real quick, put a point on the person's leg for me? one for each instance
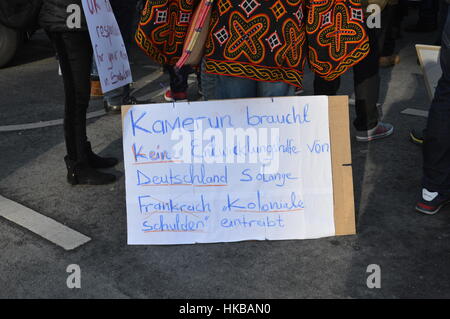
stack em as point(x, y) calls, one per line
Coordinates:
point(69, 92)
point(124, 12)
point(217, 87)
point(198, 74)
point(428, 12)
point(324, 87)
point(75, 54)
point(178, 83)
point(179, 79)
point(232, 87)
point(367, 86)
point(401, 12)
point(436, 147)
point(388, 39)
point(366, 96)
point(442, 19)
point(209, 84)
point(272, 89)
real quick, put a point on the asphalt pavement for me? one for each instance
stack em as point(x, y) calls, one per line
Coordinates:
point(412, 250)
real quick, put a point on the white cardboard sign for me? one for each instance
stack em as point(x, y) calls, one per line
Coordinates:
point(431, 67)
point(109, 49)
point(229, 170)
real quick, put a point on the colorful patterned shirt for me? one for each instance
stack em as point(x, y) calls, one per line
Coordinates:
point(264, 40)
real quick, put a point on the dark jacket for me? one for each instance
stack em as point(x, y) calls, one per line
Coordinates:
point(20, 14)
point(53, 16)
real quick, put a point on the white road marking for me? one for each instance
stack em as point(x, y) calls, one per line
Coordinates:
point(30, 126)
point(41, 225)
point(415, 112)
point(137, 87)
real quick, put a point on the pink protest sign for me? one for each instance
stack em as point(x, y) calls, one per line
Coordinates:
point(109, 49)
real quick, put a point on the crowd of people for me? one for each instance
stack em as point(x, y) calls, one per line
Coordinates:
point(258, 48)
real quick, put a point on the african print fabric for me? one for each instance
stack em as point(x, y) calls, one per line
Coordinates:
point(265, 40)
point(162, 29)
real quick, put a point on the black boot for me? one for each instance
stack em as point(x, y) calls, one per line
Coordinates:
point(96, 161)
point(82, 173)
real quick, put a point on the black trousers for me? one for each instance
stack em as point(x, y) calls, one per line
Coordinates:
point(428, 12)
point(366, 79)
point(126, 15)
point(436, 148)
point(391, 14)
point(75, 57)
point(179, 78)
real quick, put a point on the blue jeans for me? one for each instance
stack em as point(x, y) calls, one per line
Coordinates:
point(436, 150)
point(218, 87)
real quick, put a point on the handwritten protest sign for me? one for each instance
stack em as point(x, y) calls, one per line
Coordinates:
point(109, 49)
point(230, 170)
point(429, 62)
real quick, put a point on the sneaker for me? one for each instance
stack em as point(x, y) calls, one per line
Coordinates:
point(172, 97)
point(417, 136)
point(382, 130)
point(431, 202)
